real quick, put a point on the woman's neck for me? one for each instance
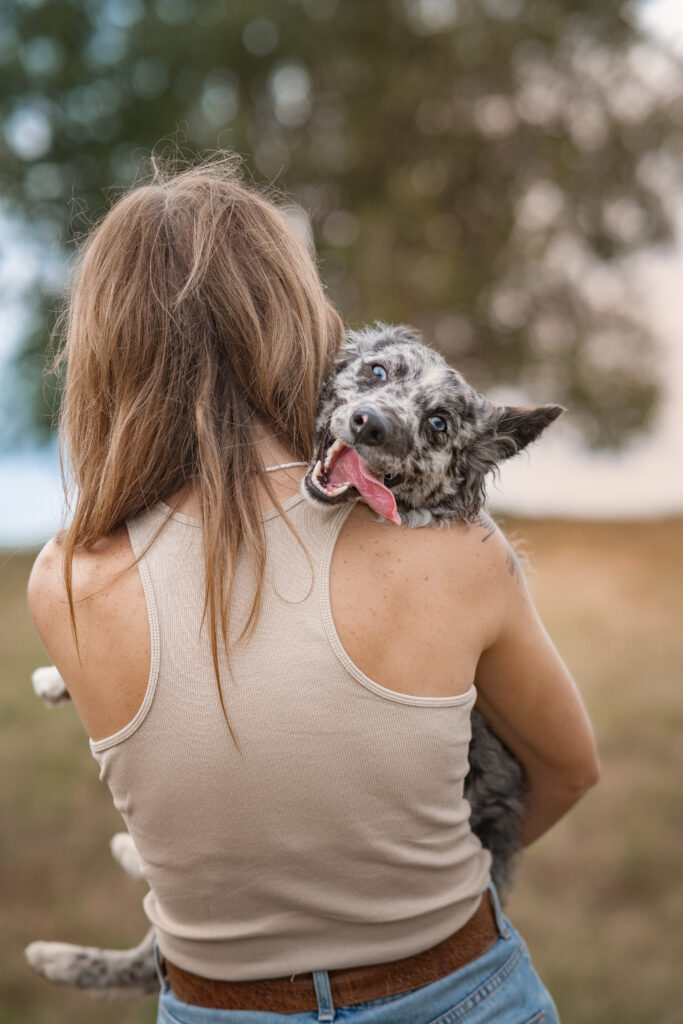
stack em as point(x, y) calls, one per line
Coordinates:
point(285, 482)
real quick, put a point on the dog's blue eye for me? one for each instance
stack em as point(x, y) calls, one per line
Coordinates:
point(379, 371)
point(438, 422)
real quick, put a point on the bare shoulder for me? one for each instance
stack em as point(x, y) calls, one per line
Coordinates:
point(415, 608)
point(105, 676)
point(484, 542)
point(475, 554)
point(96, 572)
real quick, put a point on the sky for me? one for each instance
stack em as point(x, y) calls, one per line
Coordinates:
point(555, 477)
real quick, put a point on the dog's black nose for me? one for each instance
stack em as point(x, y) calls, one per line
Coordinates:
point(368, 426)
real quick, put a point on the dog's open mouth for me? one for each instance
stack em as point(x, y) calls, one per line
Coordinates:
point(338, 469)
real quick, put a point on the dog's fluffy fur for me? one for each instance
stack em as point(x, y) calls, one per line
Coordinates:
point(440, 441)
point(436, 476)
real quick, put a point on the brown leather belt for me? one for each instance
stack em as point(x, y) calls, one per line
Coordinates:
point(348, 985)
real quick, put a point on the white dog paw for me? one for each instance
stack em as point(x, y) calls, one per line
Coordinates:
point(124, 851)
point(49, 685)
point(53, 960)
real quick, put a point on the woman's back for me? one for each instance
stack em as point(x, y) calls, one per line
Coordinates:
point(345, 804)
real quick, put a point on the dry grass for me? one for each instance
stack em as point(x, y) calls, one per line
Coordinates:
point(599, 899)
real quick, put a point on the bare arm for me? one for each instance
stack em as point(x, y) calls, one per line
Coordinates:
point(108, 680)
point(528, 696)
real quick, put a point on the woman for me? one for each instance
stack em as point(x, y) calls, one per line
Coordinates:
point(279, 696)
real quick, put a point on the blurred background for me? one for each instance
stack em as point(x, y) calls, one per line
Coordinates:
point(508, 176)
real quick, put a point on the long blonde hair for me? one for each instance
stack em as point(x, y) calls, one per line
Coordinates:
point(195, 311)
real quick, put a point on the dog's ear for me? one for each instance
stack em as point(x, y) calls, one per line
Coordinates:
point(355, 344)
point(358, 342)
point(516, 426)
point(500, 432)
point(403, 332)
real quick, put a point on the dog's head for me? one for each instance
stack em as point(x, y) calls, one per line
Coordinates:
point(400, 427)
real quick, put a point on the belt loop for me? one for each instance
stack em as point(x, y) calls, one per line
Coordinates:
point(498, 913)
point(323, 994)
point(161, 973)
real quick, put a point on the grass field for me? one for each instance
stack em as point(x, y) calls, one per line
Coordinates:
point(599, 899)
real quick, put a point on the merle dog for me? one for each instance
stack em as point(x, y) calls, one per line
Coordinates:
point(404, 431)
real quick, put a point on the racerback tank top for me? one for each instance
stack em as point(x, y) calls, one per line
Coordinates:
point(340, 836)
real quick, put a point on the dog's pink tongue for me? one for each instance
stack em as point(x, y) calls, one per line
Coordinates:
point(350, 468)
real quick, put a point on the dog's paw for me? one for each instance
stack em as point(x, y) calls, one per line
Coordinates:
point(49, 685)
point(55, 961)
point(123, 850)
point(102, 972)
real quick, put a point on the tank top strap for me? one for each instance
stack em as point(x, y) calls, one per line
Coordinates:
point(145, 527)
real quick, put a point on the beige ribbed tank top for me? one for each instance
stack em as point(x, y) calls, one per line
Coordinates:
point(341, 836)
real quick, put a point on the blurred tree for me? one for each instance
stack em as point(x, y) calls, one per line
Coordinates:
point(474, 167)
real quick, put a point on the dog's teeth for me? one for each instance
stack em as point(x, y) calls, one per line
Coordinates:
point(332, 450)
point(331, 492)
point(316, 475)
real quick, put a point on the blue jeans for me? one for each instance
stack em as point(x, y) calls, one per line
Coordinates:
point(499, 987)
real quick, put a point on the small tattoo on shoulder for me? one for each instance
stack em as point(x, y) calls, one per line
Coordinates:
point(511, 562)
point(486, 523)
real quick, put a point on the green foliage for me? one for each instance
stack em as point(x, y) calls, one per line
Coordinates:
point(467, 166)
